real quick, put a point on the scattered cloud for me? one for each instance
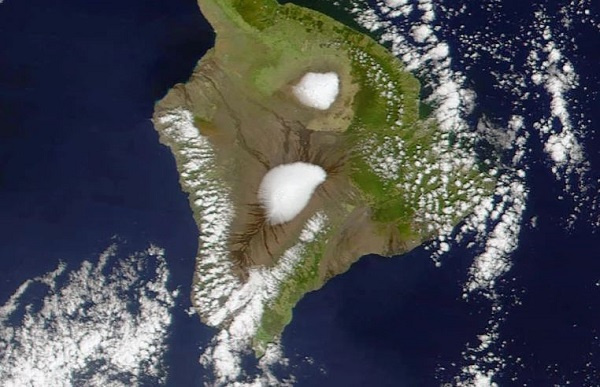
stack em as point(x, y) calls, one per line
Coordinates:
point(104, 323)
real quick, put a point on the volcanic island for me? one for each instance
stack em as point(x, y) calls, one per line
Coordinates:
point(303, 145)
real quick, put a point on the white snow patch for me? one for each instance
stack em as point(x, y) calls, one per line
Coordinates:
point(286, 189)
point(234, 307)
point(318, 90)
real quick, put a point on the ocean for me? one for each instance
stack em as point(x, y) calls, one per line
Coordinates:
point(404, 321)
point(81, 168)
point(80, 162)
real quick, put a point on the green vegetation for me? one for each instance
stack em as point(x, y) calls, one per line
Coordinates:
point(384, 90)
point(297, 37)
point(304, 279)
point(262, 48)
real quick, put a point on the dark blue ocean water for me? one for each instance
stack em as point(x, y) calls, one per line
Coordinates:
point(397, 322)
point(79, 159)
point(387, 322)
point(80, 162)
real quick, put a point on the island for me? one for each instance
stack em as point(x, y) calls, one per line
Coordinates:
point(303, 145)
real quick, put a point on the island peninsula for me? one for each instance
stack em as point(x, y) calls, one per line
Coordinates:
point(303, 145)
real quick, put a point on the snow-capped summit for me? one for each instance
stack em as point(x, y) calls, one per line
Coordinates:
point(318, 90)
point(286, 189)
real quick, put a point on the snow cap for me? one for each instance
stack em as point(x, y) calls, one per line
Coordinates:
point(318, 90)
point(286, 189)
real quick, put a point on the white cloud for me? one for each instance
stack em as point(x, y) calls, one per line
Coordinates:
point(430, 58)
point(421, 33)
point(552, 70)
point(102, 324)
point(234, 307)
point(496, 222)
point(244, 310)
point(395, 3)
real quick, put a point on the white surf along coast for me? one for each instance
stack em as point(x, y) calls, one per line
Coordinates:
point(286, 190)
point(318, 90)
